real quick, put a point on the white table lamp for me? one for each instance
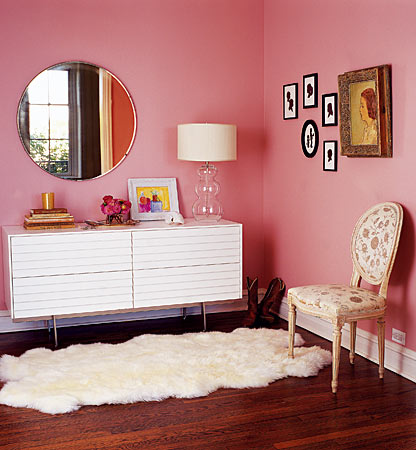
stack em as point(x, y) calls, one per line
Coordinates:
point(207, 142)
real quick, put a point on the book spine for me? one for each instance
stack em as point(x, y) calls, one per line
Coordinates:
point(48, 211)
point(41, 221)
point(48, 216)
point(47, 227)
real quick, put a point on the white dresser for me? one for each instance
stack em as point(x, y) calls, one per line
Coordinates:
point(63, 273)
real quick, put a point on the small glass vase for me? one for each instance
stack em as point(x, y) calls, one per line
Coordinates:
point(114, 219)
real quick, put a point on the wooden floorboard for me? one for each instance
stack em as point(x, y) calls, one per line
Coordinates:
point(293, 413)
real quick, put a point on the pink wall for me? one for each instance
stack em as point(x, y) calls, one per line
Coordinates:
point(309, 214)
point(182, 61)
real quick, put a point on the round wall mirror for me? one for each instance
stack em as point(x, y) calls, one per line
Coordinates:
point(76, 121)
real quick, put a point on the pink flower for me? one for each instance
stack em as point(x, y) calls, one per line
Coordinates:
point(116, 206)
point(106, 200)
point(125, 207)
point(111, 206)
point(107, 209)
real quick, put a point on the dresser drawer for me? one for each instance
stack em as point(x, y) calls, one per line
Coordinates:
point(186, 247)
point(70, 254)
point(43, 296)
point(177, 285)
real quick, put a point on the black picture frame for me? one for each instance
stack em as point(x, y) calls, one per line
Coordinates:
point(290, 101)
point(330, 110)
point(330, 160)
point(310, 91)
point(310, 138)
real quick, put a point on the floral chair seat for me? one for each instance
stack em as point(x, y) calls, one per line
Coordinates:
point(337, 299)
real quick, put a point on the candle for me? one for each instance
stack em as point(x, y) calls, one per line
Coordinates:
point(48, 200)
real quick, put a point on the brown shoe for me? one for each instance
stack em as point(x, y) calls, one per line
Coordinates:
point(275, 306)
point(252, 306)
point(273, 294)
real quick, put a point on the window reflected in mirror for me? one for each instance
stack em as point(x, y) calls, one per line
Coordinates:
point(76, 121)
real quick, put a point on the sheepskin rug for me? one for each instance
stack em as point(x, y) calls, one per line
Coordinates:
point(153, 367)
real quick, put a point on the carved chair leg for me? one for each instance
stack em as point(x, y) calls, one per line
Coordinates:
point(292, 326)
point(381, 337)
point(336, 352)
point(353, 334)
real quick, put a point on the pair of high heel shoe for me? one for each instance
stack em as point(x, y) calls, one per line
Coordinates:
point(268, 309)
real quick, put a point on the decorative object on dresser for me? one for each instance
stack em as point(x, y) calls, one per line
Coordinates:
point(374, 245)
point(115, 209)
point(66, 117)
point(290, 101)
point(309, 138)
point(207, 142)
point(310, 90)
point(48, 217)
point(330, 158)
point(330, 110)
point(61, 273)
point(152, 198)
point(153, 368)
point(174, 218)
point(48, 200)
point(365, 112)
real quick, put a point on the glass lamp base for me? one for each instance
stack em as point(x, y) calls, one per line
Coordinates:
point(207, 208)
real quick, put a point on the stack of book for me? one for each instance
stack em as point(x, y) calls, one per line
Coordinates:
point(43, 219)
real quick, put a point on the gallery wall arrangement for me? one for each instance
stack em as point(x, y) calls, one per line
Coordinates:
point(364, 109)
point(310, 132)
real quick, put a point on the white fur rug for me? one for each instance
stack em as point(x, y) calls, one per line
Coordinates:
point(153, 367)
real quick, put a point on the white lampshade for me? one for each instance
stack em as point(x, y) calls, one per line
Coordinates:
point(207, 142)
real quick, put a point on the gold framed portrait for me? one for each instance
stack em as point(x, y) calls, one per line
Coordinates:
point(365, 112)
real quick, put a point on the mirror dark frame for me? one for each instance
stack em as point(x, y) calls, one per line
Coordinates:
point(81, 131)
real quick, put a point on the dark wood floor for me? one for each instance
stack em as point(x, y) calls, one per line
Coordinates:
point(293, 413)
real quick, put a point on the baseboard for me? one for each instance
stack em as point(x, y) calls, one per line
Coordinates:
point(8, 326)
point(398, 359)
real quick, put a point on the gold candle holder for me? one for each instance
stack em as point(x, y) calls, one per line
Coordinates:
point(48, 199)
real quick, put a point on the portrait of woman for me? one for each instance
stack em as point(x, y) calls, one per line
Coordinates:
point(364, 126)
point(365, 112)
point(368, 113)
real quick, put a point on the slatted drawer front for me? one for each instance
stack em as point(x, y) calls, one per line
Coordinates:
point(70, 253)
point(171, 286)
point(43, 296)
point(186, 247)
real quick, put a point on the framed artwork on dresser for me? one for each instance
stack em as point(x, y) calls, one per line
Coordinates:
point(152, 198)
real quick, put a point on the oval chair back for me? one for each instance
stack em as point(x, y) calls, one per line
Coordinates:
point(374, 244)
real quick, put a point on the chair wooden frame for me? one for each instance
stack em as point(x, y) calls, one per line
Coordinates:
point(339, 319)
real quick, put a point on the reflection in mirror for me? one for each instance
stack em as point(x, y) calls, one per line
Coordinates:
point(76, 120)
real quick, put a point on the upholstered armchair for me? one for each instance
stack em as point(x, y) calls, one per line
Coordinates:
point(373, 249)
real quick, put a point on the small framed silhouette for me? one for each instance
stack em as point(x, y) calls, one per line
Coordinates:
point(310, 90)
point(331, 156)
point(330, 110)
point(310, 138)
point(290, 101)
